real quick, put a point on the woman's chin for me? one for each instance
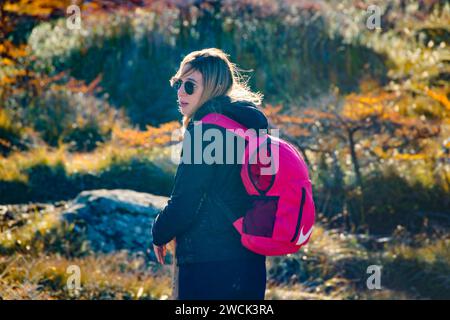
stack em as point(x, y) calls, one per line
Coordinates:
point(185, 111)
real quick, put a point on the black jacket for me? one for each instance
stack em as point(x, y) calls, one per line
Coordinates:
point(202, 230)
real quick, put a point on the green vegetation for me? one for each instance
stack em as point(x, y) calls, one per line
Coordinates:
point(368, 109)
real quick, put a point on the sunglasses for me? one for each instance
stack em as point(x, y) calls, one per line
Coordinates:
point(189, 86)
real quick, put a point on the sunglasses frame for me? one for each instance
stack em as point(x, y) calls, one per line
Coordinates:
point(177, 85)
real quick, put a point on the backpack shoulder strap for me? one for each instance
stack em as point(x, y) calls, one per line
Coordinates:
point(227, 123)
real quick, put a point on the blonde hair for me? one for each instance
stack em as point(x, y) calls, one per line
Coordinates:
point(220, 77)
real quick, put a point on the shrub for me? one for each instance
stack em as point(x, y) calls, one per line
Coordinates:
point(80, 120)
point(289, 47)
point(43, 175)
point(10, 133)
point(389, 200)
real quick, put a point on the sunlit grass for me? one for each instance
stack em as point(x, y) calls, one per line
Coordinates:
point(34, 258)
point(332, 266)
point(46, 174)
point(24, 236)
point(439, 250)
point(113, 276)
point(13, 168)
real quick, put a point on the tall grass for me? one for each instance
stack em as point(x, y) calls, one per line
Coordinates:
point(114, 276)
point(44, 174)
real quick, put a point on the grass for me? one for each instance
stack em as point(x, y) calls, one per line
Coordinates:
point(36, 251)
point(422, 270)
point(334, 266)
point(35, 255)
point(15, 166)
point(44, 174)
point(113, 276)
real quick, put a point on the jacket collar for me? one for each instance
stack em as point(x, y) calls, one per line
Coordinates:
point(216, 104)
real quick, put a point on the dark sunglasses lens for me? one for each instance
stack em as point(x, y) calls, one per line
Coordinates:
point(189, 87)
point(177, 84)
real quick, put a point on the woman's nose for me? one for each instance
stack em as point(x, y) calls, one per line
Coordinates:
point(181, 90)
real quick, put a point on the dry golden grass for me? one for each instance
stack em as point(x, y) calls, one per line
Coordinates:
point(30, 268)
point(35, 255)
point(112, 276)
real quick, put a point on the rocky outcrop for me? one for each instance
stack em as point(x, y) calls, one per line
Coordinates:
point(115, 219)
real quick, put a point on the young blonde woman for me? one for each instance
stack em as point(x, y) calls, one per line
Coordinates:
point(210, 259)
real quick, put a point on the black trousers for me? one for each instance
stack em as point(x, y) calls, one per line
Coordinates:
point(223, 280)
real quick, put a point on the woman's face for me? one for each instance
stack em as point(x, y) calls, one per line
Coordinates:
point(188, 102)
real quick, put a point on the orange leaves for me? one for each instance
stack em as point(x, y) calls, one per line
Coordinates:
point(294, 126)
point(79, 86)
point(379, 152)
point(12, 77)
point(316, 113)
point(368, 125)
point(360, 107)
point(6, 62)
point(273, 113)
point(150, 138)
point(5, 143)
point(270, 110)
point(294, 119)
point(35, 8)
point(438, 96)
point(297, 132)
point(409, 157)
point(7, 48)
point(11, 69)
point(61, 81)
point(9, 57)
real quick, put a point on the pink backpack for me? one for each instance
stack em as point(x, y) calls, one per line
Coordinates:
point(282, 214)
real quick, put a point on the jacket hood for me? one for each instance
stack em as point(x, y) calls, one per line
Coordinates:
point(244, 112)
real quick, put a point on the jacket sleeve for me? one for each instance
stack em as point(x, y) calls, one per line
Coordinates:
point(191, 180)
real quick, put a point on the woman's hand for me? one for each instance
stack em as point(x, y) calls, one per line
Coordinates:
point(160, 252)
point(171, 246)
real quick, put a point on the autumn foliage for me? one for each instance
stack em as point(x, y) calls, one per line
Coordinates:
point(355, 105)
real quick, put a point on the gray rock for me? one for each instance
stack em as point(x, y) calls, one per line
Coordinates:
point(115, 219)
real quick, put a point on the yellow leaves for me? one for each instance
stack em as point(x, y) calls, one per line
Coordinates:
point(438, 96)
point(5, 80)
point(358, 111)
point(12, 76)
point(9, 55)
point(359, 107)
point(19, 73)
point(12, 51)
point(364, 99)
point(380, 152)
point(5, 120)
point(35, 8)
point(151, 137)
point(409, 157)
point(6, 62)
